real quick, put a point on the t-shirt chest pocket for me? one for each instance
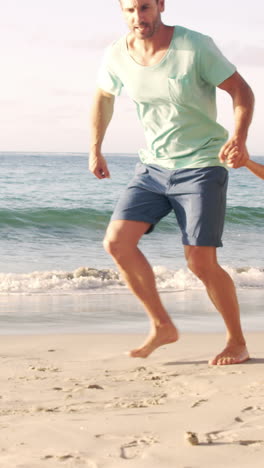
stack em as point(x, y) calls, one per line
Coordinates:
point(180, 89)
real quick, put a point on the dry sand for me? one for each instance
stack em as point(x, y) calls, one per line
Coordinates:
point(79, 401)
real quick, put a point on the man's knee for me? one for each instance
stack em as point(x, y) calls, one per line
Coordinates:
point(122, 237)
point(197, 267)
point(201, 265)
point(116, 246)
point(111, 245)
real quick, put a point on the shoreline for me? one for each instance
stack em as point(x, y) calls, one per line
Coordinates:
point(191, 311)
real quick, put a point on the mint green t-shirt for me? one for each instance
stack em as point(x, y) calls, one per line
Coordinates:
point(175, 98)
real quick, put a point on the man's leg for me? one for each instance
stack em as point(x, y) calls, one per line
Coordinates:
point(202, 261)
point(121, 242)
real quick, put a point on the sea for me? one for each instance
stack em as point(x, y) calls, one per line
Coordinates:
point(53, 216)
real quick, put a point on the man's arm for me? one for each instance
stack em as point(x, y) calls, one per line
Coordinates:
point(102, 111)
point(234, 152)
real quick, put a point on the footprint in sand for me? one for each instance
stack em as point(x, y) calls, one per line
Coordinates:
point(44, 369)
point(95, 386)
point(133, 446)
point(43, 409)
point(77, 460)
point(252, 408)
point(251, 414)
point(136, 447)
point(238, 419)
point(154, 401)
point(198, 403)
point(238, 431)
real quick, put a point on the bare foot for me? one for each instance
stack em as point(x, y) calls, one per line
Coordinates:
point(232, 354)
point(161, 335)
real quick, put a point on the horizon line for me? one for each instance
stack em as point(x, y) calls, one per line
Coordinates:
point(87, 153)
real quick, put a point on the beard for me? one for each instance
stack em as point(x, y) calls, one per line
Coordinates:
point(146, 30)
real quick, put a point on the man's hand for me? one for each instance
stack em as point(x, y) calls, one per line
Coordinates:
point(234, 153)
point(102, 111)
point(98, 166)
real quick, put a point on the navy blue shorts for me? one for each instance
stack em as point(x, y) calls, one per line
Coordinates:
point(197, 197)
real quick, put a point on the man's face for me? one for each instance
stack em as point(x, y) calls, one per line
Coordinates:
point(143, 17)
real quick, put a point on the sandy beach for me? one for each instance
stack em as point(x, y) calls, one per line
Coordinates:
point(79, 400)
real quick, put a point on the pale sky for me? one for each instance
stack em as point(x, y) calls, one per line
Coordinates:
point(50, 52)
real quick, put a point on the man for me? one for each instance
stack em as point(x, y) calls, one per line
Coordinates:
point(171, 73)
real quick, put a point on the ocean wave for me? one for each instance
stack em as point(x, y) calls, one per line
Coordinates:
point(49, 218)
point(245, 215)
point(92, 280)
point(54, 217)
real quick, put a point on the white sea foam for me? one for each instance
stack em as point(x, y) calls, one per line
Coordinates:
point(91, 280)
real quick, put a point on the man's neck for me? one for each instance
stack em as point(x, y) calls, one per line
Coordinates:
point(153, 43)
point(150, 50)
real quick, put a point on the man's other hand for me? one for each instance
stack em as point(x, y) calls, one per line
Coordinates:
point(98, 166)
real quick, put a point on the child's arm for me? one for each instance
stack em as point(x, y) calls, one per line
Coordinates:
point(253, 166)
point(256, 168)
